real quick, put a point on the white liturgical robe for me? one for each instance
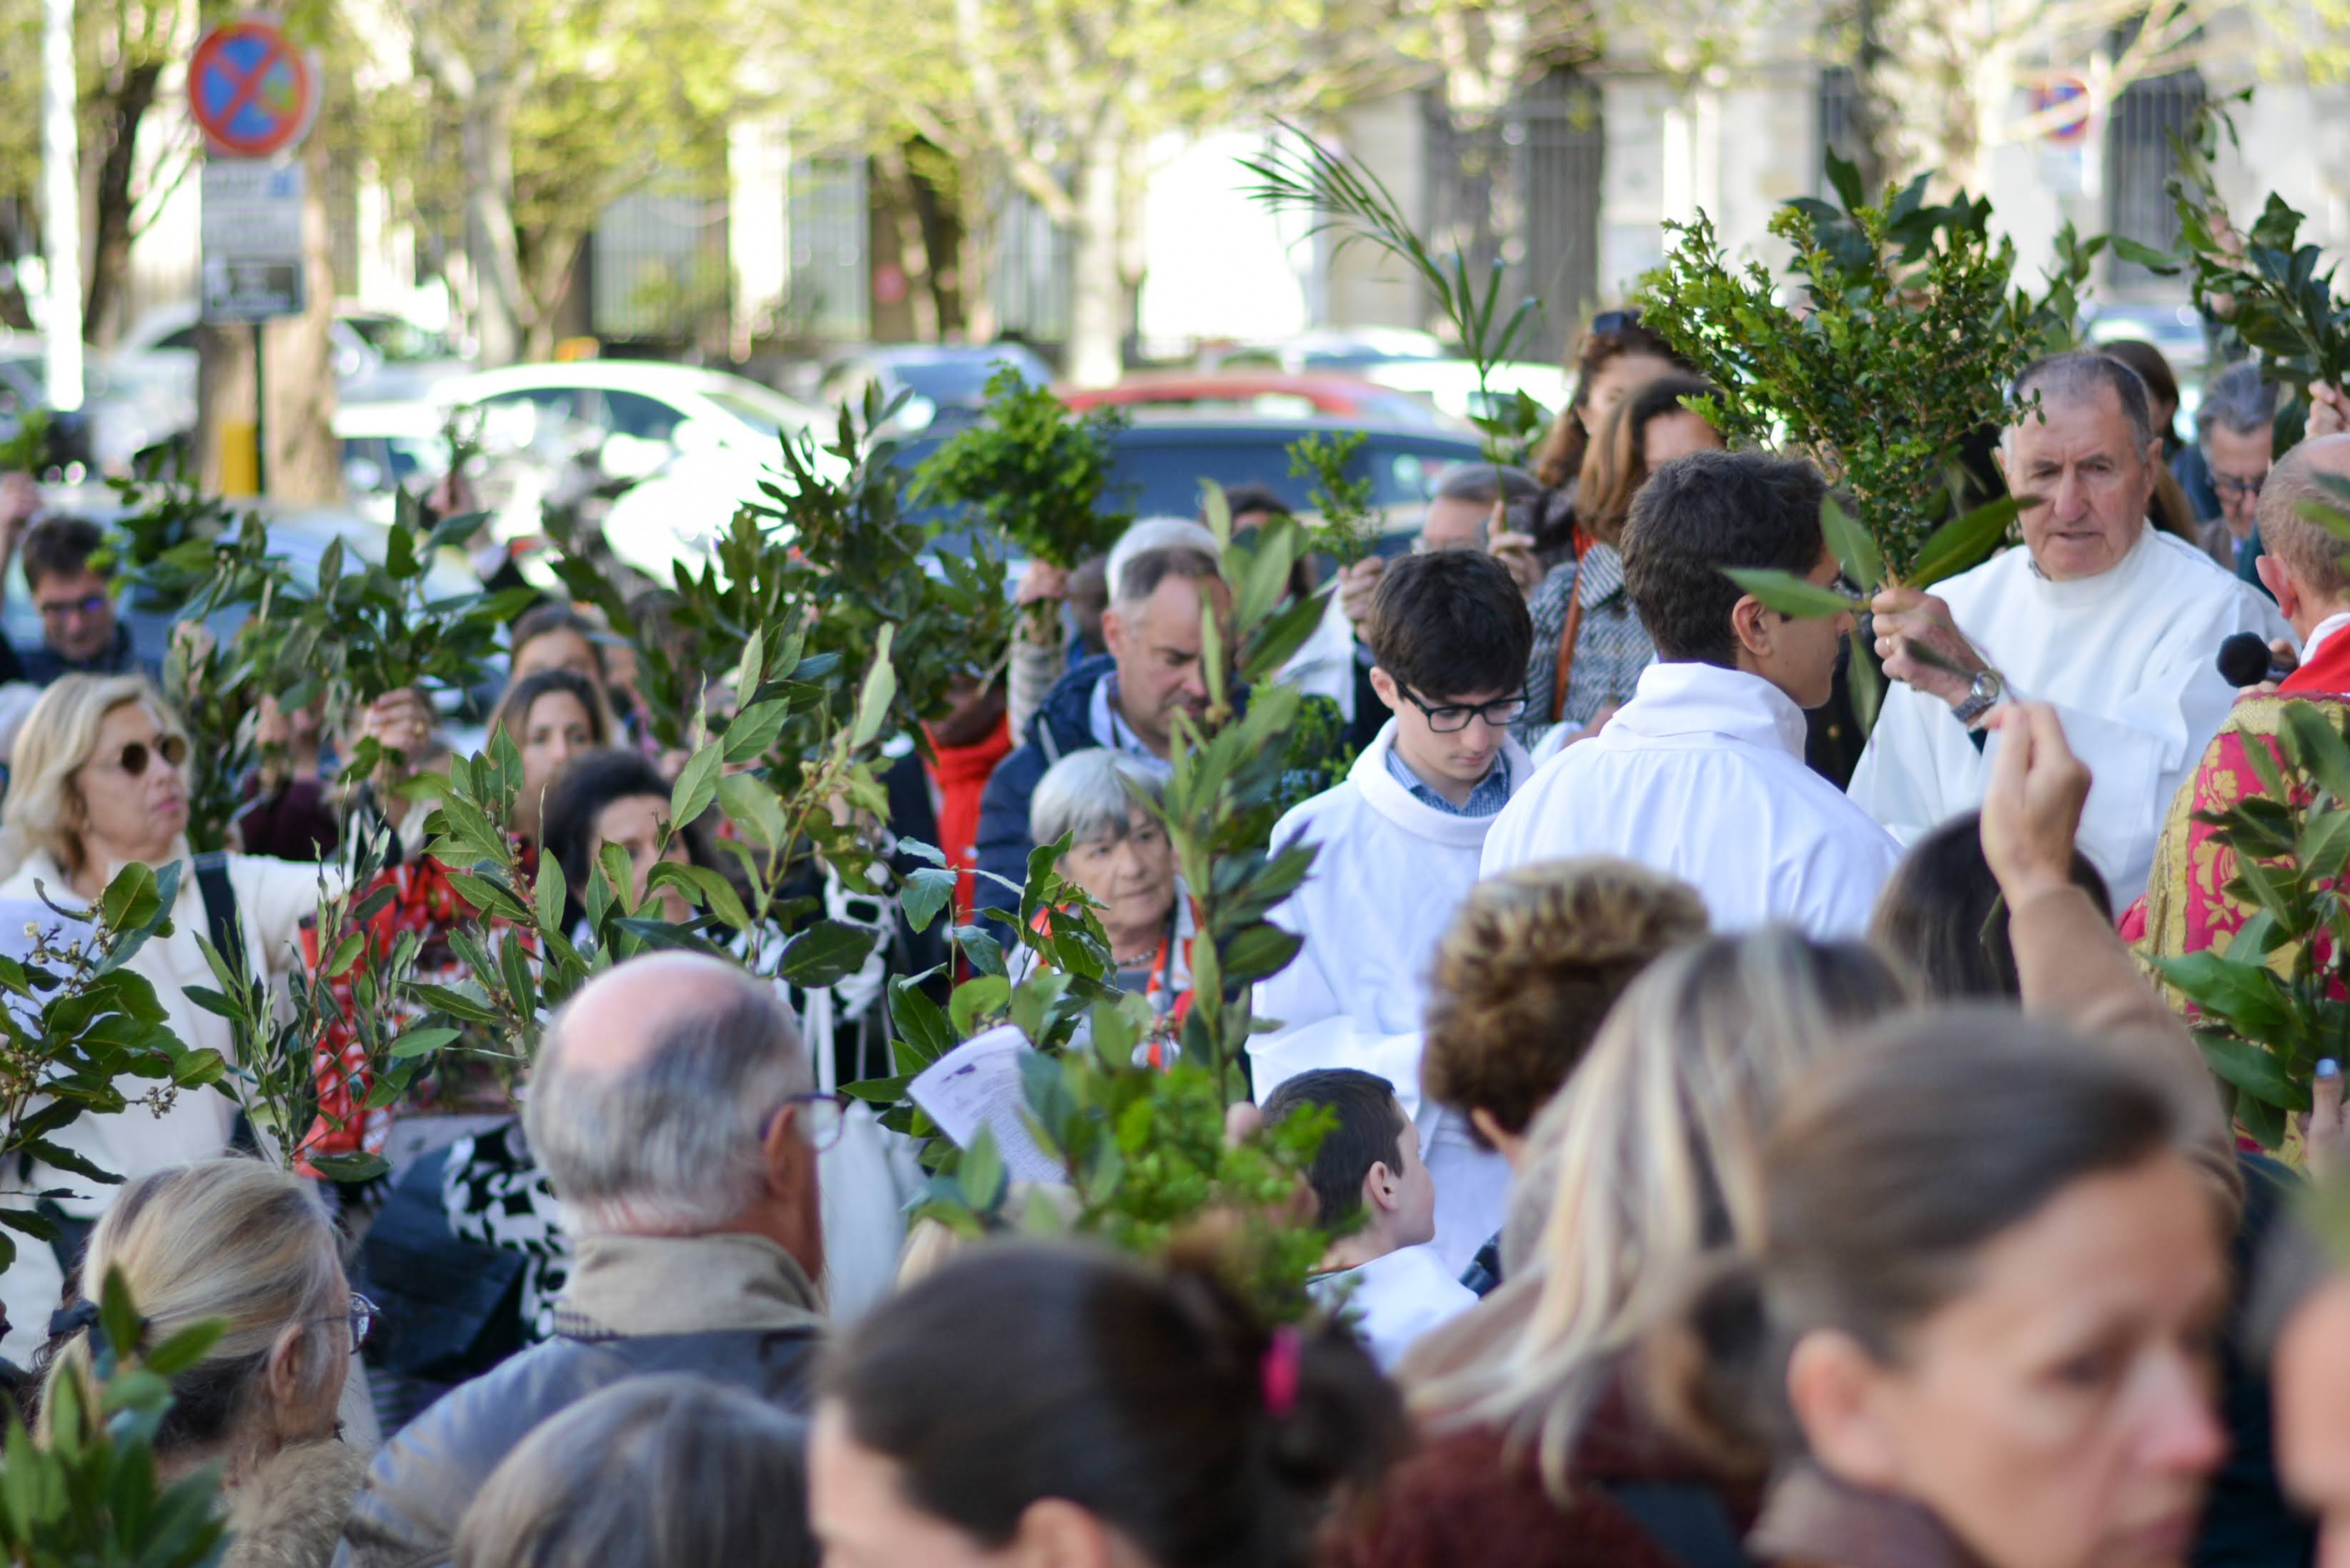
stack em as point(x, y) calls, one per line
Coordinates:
point(2127, 658)
point(1394, 1299)
point(1390, 872)
point(1702, 776)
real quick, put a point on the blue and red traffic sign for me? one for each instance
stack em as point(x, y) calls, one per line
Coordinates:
point(254, 93)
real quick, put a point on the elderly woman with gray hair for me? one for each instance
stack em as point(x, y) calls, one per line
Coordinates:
point(1120, 857)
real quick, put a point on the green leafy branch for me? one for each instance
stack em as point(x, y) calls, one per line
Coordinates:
point(1348, 527)
point(1346, 197)
point(824, 555)
point(88, 1491)
point(2271, 1004)
point(1900, 352)
point(2265, 282)
point(1033, 472)
point(76, 1026)
point(277, 1056)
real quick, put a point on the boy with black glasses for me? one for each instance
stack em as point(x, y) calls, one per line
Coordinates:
point(1397, 845)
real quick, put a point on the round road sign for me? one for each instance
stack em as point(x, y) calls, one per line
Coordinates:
point(254, 93)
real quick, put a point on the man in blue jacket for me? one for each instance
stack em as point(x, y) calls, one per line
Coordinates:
point(1125, 698)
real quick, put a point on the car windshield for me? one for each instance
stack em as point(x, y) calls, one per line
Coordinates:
point(399, 342)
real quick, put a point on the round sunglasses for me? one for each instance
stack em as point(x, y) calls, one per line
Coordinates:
point(135, 756)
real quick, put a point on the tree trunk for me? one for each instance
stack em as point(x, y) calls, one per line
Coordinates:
point(16, 245)
point(975, 257)
point(109, 256)
point(224, 398)
point(1098, 315)
point(554, 263)
point(305, 459)
point(489, 245)
point(942, 234)
point(898, 237)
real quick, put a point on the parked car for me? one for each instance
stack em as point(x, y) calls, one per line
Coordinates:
point(387, 446)
point(695, 444)
point(1158, 468)
point(378, 356)
point(1251, 394)
point(945, 382)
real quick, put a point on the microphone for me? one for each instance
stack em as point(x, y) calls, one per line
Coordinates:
point(2245, 660)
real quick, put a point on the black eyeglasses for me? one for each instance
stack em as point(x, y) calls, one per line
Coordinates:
point(2229, 484)
point(823, 1118)
point(135, 756)
point(1453, 718)
point(1614, 321)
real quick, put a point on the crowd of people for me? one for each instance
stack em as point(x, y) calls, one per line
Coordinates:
point(1753, 1137)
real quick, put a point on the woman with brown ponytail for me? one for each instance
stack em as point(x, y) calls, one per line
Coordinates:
point(1048, 1405)
point(1980, 1329)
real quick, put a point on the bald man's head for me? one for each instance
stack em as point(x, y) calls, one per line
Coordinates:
point(652, 1095)
point(2312, 553)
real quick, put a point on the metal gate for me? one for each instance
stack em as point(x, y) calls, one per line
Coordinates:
point(2139, 164)
point(829, 220)
point(1526, 188)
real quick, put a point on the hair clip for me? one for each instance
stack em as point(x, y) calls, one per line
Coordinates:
point(73, 1319)
point(1277, 1372)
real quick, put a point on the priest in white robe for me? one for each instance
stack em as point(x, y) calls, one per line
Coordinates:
point(1701, 775)
point(1396, 850)
point(2113, 622)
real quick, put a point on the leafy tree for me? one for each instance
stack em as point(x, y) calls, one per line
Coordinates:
point(1942, 87)
point(1061, 101)
point(528, 117)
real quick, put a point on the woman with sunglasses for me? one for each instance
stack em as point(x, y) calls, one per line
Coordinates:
point(248, 1247)
point(100, 782)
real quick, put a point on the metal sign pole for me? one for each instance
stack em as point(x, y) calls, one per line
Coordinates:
point(260, 412)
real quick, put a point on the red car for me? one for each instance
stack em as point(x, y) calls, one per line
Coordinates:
point(1260, 394)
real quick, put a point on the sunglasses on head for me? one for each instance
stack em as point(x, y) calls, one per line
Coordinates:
point(134, 757)
point(1608, 321)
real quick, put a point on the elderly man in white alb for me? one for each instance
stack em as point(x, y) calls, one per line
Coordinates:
point(1701, 775)
point(2114, 622)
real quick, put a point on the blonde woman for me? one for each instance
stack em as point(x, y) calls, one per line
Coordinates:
point(246, 1245)
point(100, 782)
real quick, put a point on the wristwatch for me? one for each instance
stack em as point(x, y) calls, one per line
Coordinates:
point(1986, 691)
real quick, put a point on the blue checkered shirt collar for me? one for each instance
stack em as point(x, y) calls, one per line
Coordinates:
point(1492, 793)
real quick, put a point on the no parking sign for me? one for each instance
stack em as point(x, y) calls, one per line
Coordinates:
point(251, 89)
